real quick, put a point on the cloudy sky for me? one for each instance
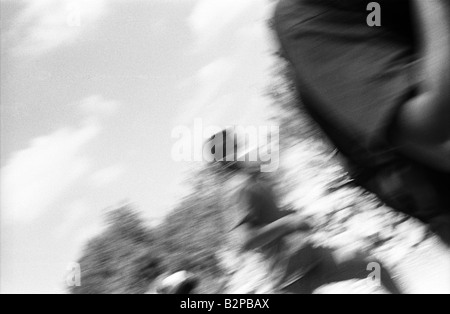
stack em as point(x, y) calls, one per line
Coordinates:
point(90, 93)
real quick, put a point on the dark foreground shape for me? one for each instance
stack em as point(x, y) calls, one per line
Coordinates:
point(354, 80)
point(328, 270)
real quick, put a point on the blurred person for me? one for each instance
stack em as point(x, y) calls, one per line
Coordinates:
point(381, 94)
point(266, 227)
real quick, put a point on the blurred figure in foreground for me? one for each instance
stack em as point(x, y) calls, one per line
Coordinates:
point(266, 227)
point(381, 94)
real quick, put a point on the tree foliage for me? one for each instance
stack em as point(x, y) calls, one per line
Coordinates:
point(123, 259)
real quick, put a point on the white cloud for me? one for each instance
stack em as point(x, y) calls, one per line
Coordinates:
point(212, 77)
point(107, 176)
point(210, 81)
point(97, 106)
point(36, 177)
point(235, 81)
point(210, 17)
point(44, 25)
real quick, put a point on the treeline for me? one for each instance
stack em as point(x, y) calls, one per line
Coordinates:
point(129, 255)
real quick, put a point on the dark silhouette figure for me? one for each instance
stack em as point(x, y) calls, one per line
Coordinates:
point(381, 94)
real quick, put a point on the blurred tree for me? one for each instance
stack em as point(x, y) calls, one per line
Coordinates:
point(123, 259)
point(195, 231)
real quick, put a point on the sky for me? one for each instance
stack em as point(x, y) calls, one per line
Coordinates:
point(90, 93)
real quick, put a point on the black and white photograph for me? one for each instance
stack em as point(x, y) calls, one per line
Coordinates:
point(228, 151)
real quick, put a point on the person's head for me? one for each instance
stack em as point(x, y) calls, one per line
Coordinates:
point(231, 155)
